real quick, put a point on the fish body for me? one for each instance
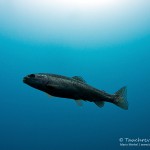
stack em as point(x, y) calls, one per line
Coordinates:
point(74, 88)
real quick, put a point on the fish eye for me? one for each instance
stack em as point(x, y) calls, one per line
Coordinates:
point(32, 75)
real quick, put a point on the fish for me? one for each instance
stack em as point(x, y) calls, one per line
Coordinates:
point(75, 88)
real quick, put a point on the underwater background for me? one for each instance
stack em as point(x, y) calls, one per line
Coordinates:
point(107, 42)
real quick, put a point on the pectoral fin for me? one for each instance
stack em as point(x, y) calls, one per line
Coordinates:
point(51, 87)
point(79, 102)
point(99, 104)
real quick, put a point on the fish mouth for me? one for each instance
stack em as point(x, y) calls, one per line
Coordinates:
point(25, 79)
point(29, 78)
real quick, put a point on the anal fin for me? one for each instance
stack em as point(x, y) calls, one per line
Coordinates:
point(100, 104)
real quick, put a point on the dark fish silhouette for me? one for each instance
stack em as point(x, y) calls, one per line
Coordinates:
point(75, 88)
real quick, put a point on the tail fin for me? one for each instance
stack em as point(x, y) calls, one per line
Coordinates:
point(121, 98)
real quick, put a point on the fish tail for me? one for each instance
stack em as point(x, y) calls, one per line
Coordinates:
point(121, 98)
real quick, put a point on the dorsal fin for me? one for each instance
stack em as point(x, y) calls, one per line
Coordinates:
point(78, 78)
point(99, 104)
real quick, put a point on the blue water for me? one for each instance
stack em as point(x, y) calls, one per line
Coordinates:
point(109, 48)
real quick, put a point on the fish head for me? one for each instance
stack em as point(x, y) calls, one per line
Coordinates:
point(37, 81)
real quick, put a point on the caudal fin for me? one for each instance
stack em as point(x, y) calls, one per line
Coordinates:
point(121, 98)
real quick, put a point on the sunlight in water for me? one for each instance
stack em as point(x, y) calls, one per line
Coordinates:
point(77, 5)
point(74, 21)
